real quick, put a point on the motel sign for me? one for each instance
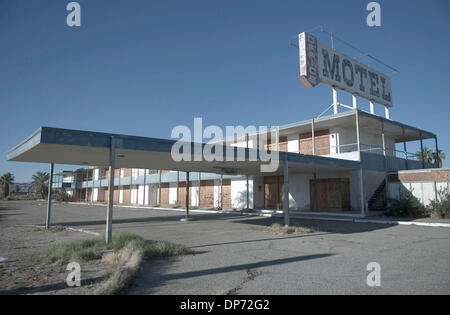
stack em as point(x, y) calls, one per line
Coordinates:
point(319, 63)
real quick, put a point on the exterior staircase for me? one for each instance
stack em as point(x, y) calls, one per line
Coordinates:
point(377, 201)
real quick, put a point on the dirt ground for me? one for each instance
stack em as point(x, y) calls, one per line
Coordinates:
point(24, 272)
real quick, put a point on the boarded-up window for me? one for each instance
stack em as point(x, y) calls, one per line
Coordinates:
point(182, 193)
point(282, 144)
point(126, 194)
point(226, 193)
point(322, 142)
point(164, 194)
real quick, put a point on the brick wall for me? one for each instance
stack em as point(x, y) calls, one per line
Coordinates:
point(207, 193)
point(437, 175)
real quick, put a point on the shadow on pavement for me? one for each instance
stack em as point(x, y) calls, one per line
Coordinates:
point(260, 240)
point(342, 227)
point(198, 218)
point(151, 280)
point(49, 287)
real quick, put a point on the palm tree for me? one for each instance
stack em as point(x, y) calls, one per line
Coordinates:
point(5, 181)
point(40, 183)
point(426, 155)
point(438, 157)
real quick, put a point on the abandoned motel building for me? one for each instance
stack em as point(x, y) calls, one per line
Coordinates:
point(349, 161)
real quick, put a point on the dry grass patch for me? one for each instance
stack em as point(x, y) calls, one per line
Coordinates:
point(124, 255)
point(277, 228)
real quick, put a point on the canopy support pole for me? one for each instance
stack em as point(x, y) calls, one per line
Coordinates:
point(286, 193)
point(421, 150)
point(187, 218)
point(109, 214)
point(49, 198)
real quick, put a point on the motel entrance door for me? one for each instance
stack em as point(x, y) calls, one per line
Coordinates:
point(273, 192)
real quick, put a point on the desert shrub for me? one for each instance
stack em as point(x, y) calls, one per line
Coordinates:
point(90, 249)
point(407, 206)
point(62, 196)
point(441, 207)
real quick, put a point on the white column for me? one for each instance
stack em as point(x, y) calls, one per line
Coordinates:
point(372, 107)
point(335, 101)
point(358, 140)
point(386, 112)
point(361, 182)
point(355, 101)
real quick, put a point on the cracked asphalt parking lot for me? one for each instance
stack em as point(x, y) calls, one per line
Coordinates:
point(234, 257)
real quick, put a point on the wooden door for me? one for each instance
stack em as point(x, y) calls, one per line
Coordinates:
point(273, 192)
point(330, 194)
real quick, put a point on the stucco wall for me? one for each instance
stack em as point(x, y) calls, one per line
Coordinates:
point(239, 193)
point(424, 185)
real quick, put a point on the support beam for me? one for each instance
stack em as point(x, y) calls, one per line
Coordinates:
point(361, 181)
point(355, 101)
point(87, 186)
point(220, 193)
point(145, 188)
point(178, 185)
point(316, 207)
point(437, 148)
point(199, 188)
point(158, 197)
point(286, 193)
point(386, 112)
point(361, 192)
point(404, 148)
point(248, 194)
point(49, 197)
point(372, 108)
point(248, 190)
point(383, 140)
point(109, 214)
point(385, 201)
point(313, 138)
point(335, 101)
point(358, 143)
point(187, 218)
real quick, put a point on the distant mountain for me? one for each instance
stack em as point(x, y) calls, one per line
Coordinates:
point(23, 187)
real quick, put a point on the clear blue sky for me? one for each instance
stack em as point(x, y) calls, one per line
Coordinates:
point(143, 67)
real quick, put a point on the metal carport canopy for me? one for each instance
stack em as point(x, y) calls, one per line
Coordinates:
point(65, 146)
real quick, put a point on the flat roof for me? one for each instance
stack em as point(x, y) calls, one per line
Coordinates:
point(77, 147)
point(367, 121)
